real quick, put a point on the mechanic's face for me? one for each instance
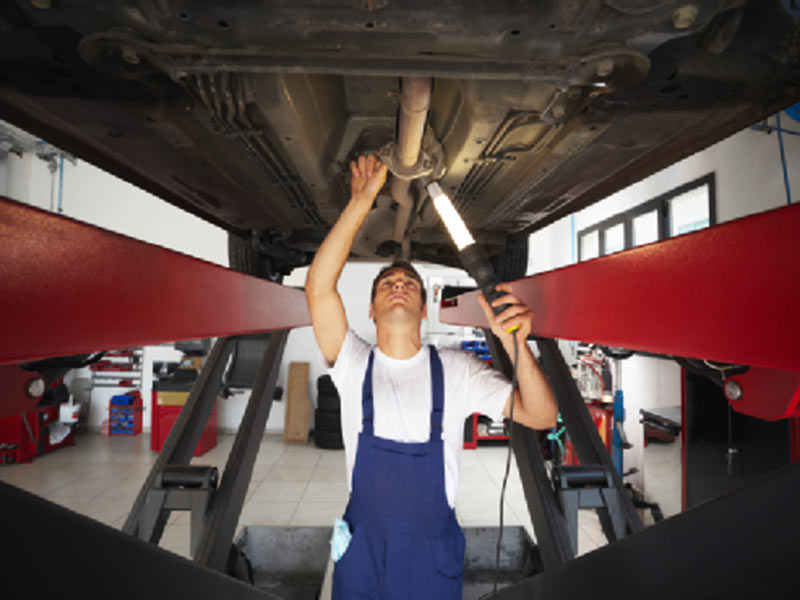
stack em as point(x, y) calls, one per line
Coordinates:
point(398, 296)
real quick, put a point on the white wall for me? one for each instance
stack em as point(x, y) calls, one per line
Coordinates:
point(550, 248)
point(94, 196)
point(749, 179)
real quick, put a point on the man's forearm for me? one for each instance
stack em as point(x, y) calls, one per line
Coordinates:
point(332, 254)
point(328, 316)
point(536, 399)
point(534, 405)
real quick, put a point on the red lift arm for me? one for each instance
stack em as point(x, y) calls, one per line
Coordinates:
point(72, 288)
point(728, 293)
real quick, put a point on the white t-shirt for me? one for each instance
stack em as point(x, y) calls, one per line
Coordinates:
point(402, 398)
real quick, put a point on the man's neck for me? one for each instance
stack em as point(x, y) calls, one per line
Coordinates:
point(399, 342)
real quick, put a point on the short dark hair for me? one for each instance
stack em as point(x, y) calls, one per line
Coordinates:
point(398, 264)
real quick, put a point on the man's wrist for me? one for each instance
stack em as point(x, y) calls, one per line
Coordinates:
point(508, 344)
point(361, 201)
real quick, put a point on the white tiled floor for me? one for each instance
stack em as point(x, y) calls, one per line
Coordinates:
point(662, 476)
point(291, 485)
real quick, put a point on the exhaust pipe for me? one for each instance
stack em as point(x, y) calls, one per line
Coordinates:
point(415, 100)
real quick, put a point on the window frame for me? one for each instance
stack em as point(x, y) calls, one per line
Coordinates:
point(661, 204)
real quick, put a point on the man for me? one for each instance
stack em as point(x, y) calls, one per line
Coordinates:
point(403, 411)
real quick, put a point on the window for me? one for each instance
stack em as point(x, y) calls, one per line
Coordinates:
point(688, 212)
point(682, 210)
point(590, 245)
point(645, 228)
point(614, 238)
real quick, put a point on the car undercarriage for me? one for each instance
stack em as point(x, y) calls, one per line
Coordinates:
point(247, 113)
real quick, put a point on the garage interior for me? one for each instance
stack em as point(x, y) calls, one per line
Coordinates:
point(98, 474)
point(672, 353)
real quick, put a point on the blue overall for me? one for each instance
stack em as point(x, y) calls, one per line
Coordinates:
point(406, 541)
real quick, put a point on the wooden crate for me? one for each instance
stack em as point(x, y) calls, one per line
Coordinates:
point(298, 408)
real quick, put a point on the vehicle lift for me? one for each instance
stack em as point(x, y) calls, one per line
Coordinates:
point(725, 294)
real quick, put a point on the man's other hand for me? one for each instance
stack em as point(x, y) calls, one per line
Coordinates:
point(516, 316)
point(368, 177)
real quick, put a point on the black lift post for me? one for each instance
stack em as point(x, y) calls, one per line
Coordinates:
point(175, 485)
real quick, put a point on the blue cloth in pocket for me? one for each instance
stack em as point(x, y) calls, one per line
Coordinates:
point(340, 539)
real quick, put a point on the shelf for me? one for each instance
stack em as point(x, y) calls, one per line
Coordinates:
point(124, 353)
point(113, 373)
point(116, 385)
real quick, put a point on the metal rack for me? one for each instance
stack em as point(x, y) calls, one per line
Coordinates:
point(105, 376)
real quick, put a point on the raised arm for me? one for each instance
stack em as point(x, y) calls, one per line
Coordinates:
point(328, 316)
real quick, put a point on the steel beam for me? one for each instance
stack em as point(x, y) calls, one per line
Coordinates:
point(122, 566)
point(726, 293)
point(375, 66)
point(181, 60)
point(72, 288)
point(737, 546)
point(226, 504)
point(583, 434)
point(185, 433)
point(547, 515)
point(550, 519)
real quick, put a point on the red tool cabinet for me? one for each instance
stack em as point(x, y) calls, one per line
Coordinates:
point(25, 436)
point(163, 417)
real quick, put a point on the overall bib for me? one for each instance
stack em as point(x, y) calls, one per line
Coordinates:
point(406, 541)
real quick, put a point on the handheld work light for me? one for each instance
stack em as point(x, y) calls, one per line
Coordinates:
point(476, 262)
point(473, 257)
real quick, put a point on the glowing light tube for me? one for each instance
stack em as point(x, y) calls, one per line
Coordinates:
point(452, 220)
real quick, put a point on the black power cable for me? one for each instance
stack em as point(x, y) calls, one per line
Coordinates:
point(508, 465)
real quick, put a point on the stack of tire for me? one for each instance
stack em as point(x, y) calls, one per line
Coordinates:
point(327, 417)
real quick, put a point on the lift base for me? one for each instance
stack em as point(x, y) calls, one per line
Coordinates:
point(50, 549)
point(290, 562)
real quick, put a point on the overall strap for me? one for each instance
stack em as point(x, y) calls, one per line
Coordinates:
point(367, 411)
point(437, 402)
point(437, 388)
